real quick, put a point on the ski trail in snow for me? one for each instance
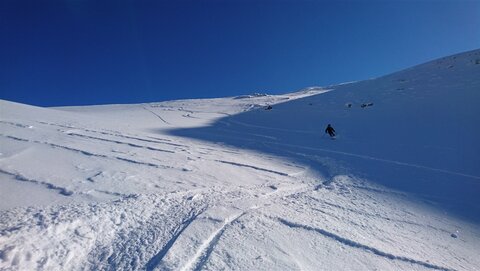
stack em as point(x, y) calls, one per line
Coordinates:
point(120, 142)
point(253, 167)
point(376, 159)
point(373, 215)
point(205, 250)
point(352, 155)
point(116, 134)
point(16, 124)
point(87, 153)
point(244, 133)
point(61, 190)
point(155, 260)
point(191, 252)
point(157, 115)
point(355, 244)
point(272, 128)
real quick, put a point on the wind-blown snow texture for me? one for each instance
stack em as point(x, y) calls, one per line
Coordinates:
point(225, 184)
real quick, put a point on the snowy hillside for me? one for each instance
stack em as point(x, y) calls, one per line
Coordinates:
point(223, 184)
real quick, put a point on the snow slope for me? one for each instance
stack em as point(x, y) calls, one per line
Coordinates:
point(420, 135)
point(224, 184)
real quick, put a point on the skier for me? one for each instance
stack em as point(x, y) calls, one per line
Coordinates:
point(330, 131)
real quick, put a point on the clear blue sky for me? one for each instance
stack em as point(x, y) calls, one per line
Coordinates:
point(96, 52)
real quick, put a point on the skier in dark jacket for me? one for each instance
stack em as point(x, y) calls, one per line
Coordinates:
point(330, 130)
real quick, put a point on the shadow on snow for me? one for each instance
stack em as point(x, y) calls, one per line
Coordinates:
point(295, 131)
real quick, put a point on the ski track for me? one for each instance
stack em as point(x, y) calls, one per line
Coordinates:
point(54, 146)
point(253, 167)
point(355, 244)
point(376, 159)
point(202, 255)
point(352, 155)
point(205, 250)
point(61, 190)
point(158, 138)
point(157, 115)
point(272, 128)
point(143, 163)
point(143, 235)
point(16, 124)
point(87, 153)
point(351, 210)
point(346, 153)
point(141, 229)
point(116, 134)
point(92, 178)
point(116, 194)
point(120, 142)
point(244, 133)
point(157, 141)
point(157, 258)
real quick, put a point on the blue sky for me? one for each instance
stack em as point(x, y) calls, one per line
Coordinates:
point(97, 52)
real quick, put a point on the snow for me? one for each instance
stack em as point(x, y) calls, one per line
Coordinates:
point(225, 184)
